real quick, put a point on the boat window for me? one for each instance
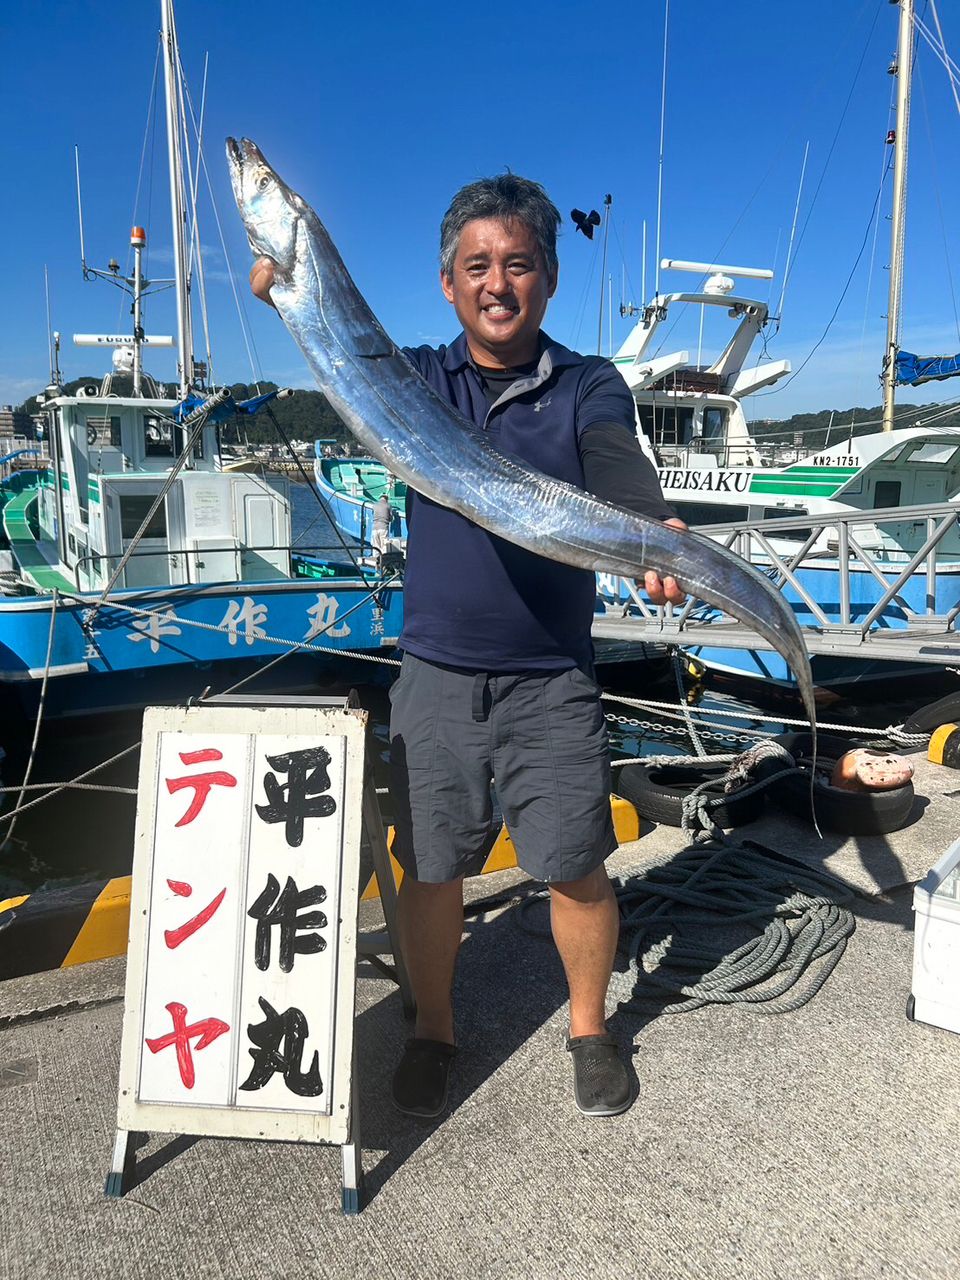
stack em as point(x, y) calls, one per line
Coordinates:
point(665, 423)
point(133, 511)
point(159, 438)
point(781, 513)
point(886, 493)
point(934, 452)
point(714, 424)
point(698, 513)
point(894, 456)
point(102, 432)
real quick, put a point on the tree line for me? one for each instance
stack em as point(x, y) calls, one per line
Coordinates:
point(306, 415)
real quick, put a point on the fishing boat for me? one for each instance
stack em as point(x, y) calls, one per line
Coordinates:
point(135, 567)
point(855, 526)
point(351, 486)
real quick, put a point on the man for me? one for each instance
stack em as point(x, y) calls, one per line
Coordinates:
point(382, 519)
point(496, 679)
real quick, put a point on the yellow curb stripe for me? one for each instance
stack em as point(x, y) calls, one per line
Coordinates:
point(105, 928)
point(104, 931)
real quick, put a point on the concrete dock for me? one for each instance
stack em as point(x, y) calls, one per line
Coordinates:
point(818, 1143)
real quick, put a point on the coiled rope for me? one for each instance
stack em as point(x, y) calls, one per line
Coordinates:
point(676, 913)
point(676, 918)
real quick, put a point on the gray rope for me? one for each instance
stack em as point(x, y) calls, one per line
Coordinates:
point(737, 886)
point(63, 786)
point(24, 787)
point(672, 914)
point(70, 786)
point(698, 746)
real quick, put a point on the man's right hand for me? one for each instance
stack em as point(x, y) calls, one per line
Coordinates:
point(261, 278)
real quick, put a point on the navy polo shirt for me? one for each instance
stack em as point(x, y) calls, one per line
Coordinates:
point(473, 600)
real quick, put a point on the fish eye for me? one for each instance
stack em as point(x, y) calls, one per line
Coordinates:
point(263, 182)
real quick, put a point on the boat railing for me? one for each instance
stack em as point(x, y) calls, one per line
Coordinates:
point(856, 548)
point(721, 453)
point(90, 564)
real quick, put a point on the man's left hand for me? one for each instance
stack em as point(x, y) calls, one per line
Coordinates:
point(664, 590)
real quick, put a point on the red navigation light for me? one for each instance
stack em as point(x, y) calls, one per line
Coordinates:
point(138, 238)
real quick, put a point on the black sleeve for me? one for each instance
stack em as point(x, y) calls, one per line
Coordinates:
point(616, 469)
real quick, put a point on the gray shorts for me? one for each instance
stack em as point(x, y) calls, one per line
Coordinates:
point(541, 735)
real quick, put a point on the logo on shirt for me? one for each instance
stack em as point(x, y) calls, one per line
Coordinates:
point(542, 404)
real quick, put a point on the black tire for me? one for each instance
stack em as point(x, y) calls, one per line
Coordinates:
point(911, 1009)
point(657, 792)
point(932, 716)
point(851, 813)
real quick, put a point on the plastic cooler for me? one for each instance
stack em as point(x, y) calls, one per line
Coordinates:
point(935, 995)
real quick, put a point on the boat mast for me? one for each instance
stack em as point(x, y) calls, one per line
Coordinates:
point(899, 213)
point(171, 67)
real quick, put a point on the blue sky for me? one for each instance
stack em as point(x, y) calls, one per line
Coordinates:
point(376, 113)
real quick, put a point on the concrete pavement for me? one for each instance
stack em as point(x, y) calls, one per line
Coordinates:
point(819, 1143)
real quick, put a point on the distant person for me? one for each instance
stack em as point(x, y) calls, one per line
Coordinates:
point(497, 673)
point(382, 520)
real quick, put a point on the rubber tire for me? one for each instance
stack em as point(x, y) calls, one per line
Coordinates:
point(934, 714)
point(911, 1009)
point(657, 792)
point(851, 813)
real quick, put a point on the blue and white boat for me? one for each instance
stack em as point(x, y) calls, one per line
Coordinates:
point(860, 533)
point(134, 567)
point(351, 487)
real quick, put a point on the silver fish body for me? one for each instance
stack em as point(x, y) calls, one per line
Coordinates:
point(408, 427)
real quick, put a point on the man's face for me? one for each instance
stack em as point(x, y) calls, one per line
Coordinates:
point(499, 287)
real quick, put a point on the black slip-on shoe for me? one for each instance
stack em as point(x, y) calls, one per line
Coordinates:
point(601, 1085)
point(422, 1076)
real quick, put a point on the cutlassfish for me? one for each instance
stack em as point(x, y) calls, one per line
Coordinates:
point(421, 438)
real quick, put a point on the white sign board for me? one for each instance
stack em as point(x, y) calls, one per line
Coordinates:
point(242, 960)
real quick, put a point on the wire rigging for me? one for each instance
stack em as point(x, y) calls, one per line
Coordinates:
point(863, 244)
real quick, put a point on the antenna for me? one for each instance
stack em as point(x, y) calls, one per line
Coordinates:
point(607, 202)
point(793, 229)
point(663, 113)
point(46, 290)
point(643, 267)
point(83, 258)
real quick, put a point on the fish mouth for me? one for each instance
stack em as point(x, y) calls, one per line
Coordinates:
point(241, 156)
point(235, 165)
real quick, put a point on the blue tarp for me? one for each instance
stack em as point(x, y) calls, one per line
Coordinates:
point(912, 370)
point(226, 408)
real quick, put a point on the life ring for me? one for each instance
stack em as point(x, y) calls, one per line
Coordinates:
point(852, 813)
point(934, 714)
point(657, 792)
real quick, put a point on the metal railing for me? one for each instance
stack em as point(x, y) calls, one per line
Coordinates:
point(834, 542)
point(94, 560)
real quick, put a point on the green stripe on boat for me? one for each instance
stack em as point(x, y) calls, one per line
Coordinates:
point(832, 472)
point(799, 489)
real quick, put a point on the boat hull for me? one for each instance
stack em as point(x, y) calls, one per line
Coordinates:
point(917, 601)
point(181, 640)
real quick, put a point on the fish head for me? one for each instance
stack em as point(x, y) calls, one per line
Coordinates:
point(270, 210)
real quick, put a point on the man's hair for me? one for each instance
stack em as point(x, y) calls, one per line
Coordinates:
point(507, 198)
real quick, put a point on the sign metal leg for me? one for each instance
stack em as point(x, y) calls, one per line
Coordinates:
point(352, 1184)
point(120, 1177)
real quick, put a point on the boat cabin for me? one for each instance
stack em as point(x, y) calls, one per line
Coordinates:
point(111, 459)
